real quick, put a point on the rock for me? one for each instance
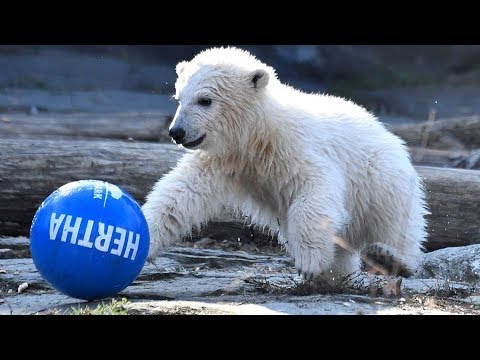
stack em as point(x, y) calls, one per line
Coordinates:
point(200, 308)
point(14, 247)
point(22, 287)
point(27, 303)
point(207, 281)
point(453, 263)
point(180, 274)
point(6, 253)
point(14, 254)
point(204, 242)
point(15, 243)
point(475, 300)
point(301, 305)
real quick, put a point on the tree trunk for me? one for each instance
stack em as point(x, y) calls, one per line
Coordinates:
point(32, 169)
point(453, 196)
point(150, 126)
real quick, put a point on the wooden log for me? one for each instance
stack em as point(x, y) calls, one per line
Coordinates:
point(435, 157)
point(453, 196)
point(455, 133)
point(145, 126)
point(445, 158)
point(31, 169)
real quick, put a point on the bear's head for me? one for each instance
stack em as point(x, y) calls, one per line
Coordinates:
point(219, 93)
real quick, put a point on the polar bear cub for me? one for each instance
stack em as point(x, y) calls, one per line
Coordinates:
point(319, 170)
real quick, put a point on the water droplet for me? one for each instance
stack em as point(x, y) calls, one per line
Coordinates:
point(435, 101)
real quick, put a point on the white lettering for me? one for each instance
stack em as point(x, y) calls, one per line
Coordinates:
point(119, 242)
point(129, 247)
point(71, 229)
point(55, 224)
point(86, 238)
point(132, 245)
point(97, 191)
point(102, 241)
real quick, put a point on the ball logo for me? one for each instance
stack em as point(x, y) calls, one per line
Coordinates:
point(105, 238)
point(114, 191)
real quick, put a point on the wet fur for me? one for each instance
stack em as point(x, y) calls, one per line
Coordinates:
point(319, 170)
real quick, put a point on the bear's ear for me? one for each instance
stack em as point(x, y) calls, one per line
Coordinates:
point(180, 67)
point(259, 78)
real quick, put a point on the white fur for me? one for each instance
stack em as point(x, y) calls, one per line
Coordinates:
point(322, 167)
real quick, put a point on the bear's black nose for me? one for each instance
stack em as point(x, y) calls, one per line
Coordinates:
point(177, 134)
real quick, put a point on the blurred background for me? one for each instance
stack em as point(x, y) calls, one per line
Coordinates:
point(400, 83)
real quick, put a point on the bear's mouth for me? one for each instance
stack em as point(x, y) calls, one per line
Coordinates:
point(194, 143)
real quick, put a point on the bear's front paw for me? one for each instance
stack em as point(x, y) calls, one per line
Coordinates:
point(159, 234)
point(156, 247)
point(310, 261)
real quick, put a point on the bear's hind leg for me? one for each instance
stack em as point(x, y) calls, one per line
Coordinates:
point(386, 260)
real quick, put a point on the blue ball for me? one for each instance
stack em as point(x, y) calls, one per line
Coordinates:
point(89, 239)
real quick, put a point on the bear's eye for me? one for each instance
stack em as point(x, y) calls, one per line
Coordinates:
point(204, 101)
